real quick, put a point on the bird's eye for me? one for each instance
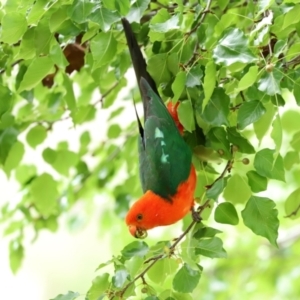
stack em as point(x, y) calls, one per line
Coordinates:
point(139, 217)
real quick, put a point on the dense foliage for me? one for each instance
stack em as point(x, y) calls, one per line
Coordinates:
point(233, 65)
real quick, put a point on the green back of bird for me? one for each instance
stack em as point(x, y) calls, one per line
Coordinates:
point(165, 158)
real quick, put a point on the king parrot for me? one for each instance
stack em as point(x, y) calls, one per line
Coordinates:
point(167, 175)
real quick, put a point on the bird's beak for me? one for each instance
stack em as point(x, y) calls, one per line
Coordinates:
point(137, 232)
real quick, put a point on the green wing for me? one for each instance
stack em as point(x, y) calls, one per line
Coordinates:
point(165, 158)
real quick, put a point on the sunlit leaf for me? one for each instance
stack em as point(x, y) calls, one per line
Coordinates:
point(186, 279)
point(267, 165)
point(185, 114)
point(237, 190)
point(137, 248)
point(225, 213)
point(269, 83)
point(103, 48)
point(292, 204)
point(217, 108)
point(249, 112)
point(211, 247)
point(257, 182)
point(260, 216)
point(14, 25)
point(232, 48)
point(69, 296)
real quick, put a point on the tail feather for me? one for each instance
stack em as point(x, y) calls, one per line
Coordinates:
point(138, 61)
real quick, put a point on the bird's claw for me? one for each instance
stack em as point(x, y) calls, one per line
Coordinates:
point(195, 215)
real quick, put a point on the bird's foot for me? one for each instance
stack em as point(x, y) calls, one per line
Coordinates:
point(195, 215)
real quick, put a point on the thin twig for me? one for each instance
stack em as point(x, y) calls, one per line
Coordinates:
point(203, 15)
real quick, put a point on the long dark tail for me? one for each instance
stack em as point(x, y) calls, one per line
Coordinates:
point(138, 61)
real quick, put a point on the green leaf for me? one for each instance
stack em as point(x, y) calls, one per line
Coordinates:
point(237, 183)
point(134, 265)
point(292, 205)
point(14, 157)
point(276, 133)
point(295, 142)
point(166, 26)
point(157, 68)
point(16, 255)
point(99, 286)
point(83, 114)
point(263, 124)
point(260, 216)
point(69, 96)
point(242, 144)
point(104, 17)
point(39, 68)
point(185, 115)
point(137, 10)
point(186, 279)
point(44, 194)
point(114, 131)
point(57, 19)
point(290, 159)
point(7, 138)
point(217, 109)
point(232, 48)
point(257, 182)
point(42, 38)
point(269, 83)
point(217, 139)
point(6, 99)
point(178, 85)
point(194, 76)
point(216, 189)
point(137, 248)
point(69, 296)
point(249, 112)
point(211, 247)
point(27, 47)
point(209, 83)
point(291, 17)
point(57, 55)
point(266, 165)
point(24, 173)
point(80, 10)
point(225, 213)
point(103, 48)
point(206, 232)
point(120, 278)
point(248, 79)
point(296, 91)
point(61, 160)
point(36, 135)
point(162, 269)
point(14, 25)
